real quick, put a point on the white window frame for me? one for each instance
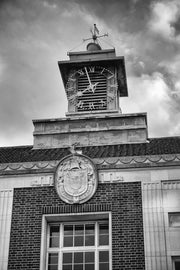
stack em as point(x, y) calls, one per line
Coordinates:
point(73, 218)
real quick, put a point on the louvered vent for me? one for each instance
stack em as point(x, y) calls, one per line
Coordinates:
point(89, 100)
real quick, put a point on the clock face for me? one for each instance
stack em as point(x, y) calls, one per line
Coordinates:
point(87, 88)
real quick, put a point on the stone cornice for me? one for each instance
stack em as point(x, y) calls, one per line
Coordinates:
point(101, 163)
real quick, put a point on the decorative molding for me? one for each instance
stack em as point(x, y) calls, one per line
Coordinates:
point(171, 185)
point(26, 166)
point(138, 159)
point(132, 161)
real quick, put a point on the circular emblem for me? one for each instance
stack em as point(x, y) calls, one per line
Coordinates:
point(75, 179)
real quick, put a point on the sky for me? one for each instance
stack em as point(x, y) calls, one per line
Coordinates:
point(36, 34)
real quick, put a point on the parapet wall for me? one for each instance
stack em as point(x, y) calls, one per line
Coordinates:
point(90, 131)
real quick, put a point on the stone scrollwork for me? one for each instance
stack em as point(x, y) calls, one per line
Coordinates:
point(76, 179)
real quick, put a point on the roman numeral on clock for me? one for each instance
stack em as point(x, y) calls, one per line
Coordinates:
point(80, 104)
point(111, 76)
point(91, 69)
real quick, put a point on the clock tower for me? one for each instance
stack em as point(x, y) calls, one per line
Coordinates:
point(94, 80)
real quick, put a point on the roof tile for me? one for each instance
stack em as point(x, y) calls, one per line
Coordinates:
point(155, 146)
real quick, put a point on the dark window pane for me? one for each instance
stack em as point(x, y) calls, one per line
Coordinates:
point(78, 241)
point(78, 257)
point(103, 234)
point(79, 229)
point(67, 258)
point(89, 257)
point(89, 266)
point(68, 241)
point(103, 256)
point(103, 229)
point(53, 258)
point(52, 267)
point(78, 267)
point(174, 221)
point(89, 240)
point(54, 236)
point(103, 240)
point(54, 231)
point(67, 267)
point(68, 229)
point(89, 229)
point(177, 265)
point(104, 266)
point(54, 242)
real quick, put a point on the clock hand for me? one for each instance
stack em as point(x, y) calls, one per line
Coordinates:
point(80, 93)
point(88, 76)
point(90, 87)
point(93, 87)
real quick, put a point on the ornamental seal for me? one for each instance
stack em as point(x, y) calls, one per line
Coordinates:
point(75, 179)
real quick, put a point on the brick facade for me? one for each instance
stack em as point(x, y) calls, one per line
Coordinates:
point(124, 200)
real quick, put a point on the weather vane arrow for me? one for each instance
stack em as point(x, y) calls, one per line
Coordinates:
point(95, 34)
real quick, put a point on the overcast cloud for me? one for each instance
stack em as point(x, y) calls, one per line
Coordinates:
point(34, 35)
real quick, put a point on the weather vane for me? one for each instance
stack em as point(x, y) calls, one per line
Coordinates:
point(95, 35)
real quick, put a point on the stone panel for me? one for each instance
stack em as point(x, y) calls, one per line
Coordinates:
point(6, 199)
point(88, 131)
point(154, 235)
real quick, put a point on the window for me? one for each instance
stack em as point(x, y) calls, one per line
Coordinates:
point(81, 244)
point(176, 261)
point(174, 219)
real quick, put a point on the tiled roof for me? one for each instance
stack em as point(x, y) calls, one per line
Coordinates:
point(155, 146)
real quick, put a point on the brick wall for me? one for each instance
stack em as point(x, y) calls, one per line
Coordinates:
point(124, 200)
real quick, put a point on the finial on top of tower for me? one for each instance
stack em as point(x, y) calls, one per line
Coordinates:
point(94, 46)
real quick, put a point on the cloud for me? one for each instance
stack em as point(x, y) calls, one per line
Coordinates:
point(36, 34)
point(2, 68)
point(151, 97)
point(163, 18)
